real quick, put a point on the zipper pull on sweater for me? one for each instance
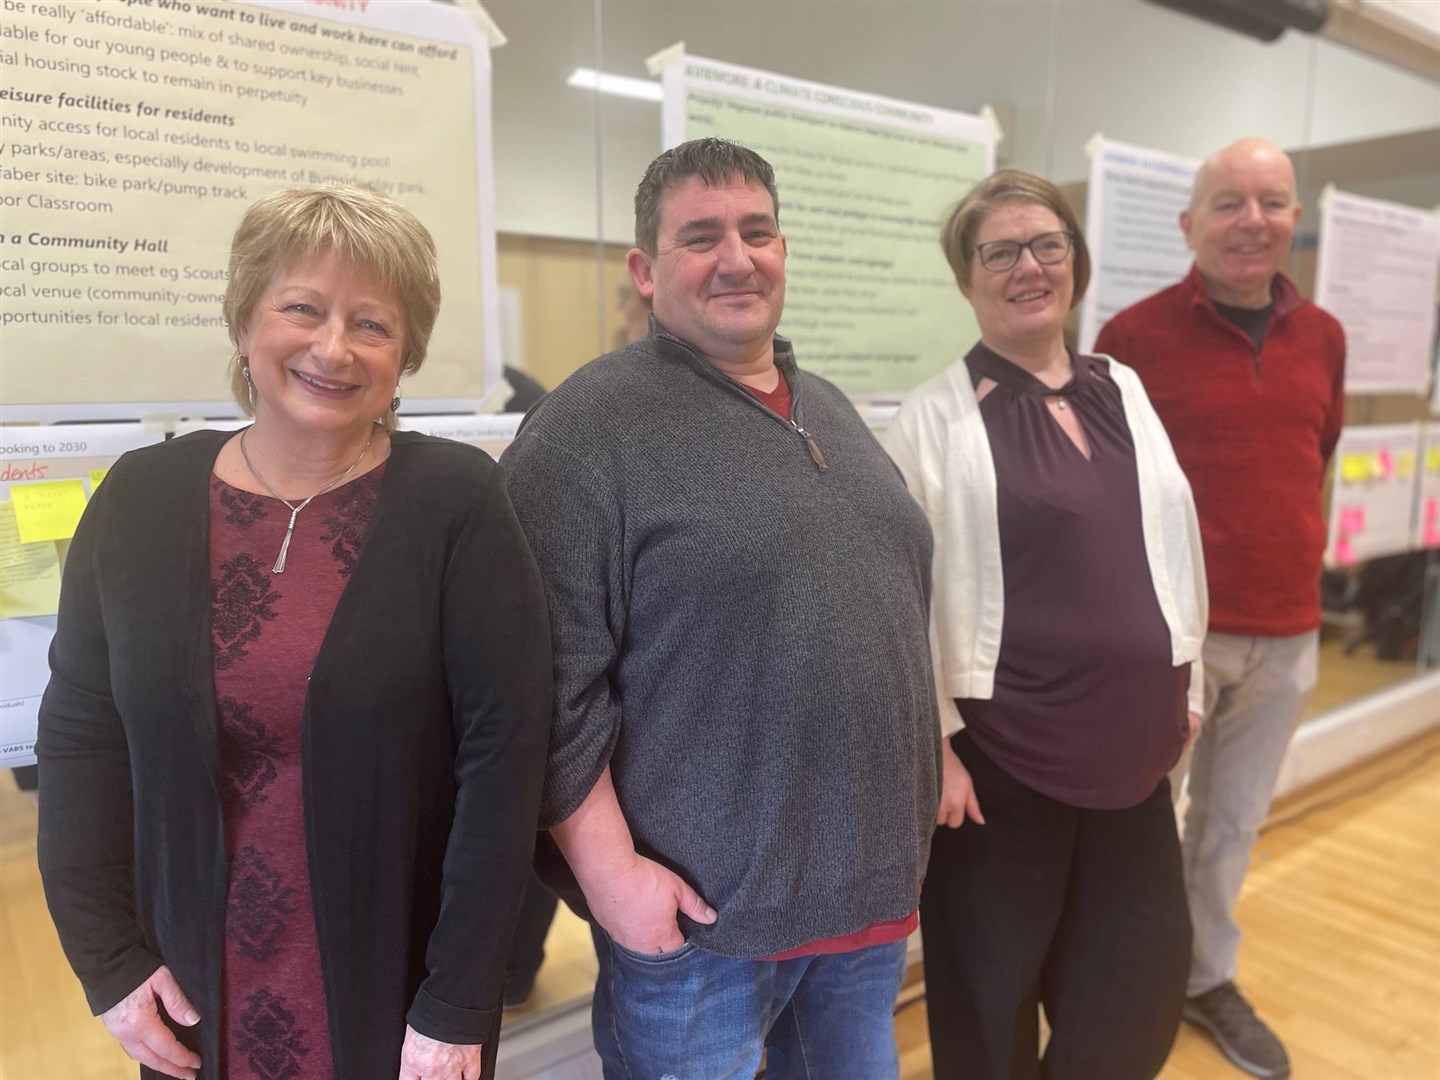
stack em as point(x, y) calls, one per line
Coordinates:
point(813, 446)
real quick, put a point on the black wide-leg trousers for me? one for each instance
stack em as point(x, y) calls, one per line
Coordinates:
point(1080, 910)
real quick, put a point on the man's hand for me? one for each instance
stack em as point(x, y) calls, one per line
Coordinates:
point(634, 899)
point(424, 1058)
point(136, 1025)
point(1195, 721)
point(957, 792)
point(638, 907)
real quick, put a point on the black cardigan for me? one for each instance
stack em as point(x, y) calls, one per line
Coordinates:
point(425, 732)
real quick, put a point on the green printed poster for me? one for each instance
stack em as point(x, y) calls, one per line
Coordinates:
point(864, 183)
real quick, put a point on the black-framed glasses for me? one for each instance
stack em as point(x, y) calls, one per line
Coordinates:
point(1049, 248)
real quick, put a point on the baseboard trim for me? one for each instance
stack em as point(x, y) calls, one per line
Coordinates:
point(557, 1046)
point(1360, 730)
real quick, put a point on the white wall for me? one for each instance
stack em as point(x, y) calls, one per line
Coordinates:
point(1133, 70)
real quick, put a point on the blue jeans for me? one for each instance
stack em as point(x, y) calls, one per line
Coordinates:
point(693, 1015)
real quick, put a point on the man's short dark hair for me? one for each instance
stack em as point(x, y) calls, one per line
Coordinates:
point(715, 161)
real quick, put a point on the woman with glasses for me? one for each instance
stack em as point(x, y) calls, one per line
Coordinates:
point(1069, 608)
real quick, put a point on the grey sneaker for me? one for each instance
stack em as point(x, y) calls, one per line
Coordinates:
point(1241, 1035)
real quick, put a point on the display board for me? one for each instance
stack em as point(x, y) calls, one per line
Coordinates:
point(1132, 223)
point(1427, 490)
point(133, 135)
point(492, 432)
point(864, 185)
point(1373, 498)
point(1377, 270)
point(46, 476)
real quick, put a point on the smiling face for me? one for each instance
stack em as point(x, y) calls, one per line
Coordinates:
point(1241, 221)
point(717, 279)
point(324, 344)
point(1021, 309)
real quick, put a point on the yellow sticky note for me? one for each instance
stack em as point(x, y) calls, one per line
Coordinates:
point(1432, 459)
point(1404, 464)
point(1355, 468)
point(29, 573)
point(48, 510)
point(96, 476)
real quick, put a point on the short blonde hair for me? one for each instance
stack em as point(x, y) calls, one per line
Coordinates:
point(367, 230)
point(957, 236)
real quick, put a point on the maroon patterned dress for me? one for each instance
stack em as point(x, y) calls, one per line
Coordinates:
point(266, 631)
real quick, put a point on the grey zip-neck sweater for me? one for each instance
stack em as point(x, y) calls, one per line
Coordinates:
point(739, 604)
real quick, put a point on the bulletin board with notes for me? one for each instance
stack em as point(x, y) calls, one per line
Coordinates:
point(1373, 500)
point(47, 475)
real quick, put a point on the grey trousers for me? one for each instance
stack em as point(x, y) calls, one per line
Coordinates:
point(1255, 691)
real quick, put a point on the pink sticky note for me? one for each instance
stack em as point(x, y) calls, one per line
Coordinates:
point(1387, 466)
point(1432, 534)
point(1432, 511)
point(1344, 553)
point(1352, 520)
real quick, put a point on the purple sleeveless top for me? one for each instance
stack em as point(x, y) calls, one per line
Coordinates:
point(1088, 708)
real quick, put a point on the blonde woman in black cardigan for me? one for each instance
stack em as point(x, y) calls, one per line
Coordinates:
point(294, 736)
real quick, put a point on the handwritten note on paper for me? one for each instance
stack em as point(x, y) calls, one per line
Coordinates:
point(29, 573)
point(49, 510)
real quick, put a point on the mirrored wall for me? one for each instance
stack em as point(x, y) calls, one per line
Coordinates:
point(1054, 73)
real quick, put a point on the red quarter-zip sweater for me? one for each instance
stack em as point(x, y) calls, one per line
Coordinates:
point(1253, 432)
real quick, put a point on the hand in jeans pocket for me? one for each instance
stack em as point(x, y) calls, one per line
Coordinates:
point(638, 908)
point(654, 958)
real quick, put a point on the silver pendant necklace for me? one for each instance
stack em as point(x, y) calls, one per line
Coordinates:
point(279, 567)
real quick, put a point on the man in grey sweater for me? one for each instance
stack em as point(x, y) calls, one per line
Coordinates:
point(743, 769)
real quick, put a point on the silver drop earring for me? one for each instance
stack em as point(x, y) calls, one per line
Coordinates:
point(250, 386)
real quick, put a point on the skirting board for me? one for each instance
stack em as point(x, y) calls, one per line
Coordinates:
point(555, 1047)
point(558, 1047)
point(1359, 730)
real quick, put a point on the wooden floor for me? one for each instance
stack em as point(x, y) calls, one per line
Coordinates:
point(1341, 913)
point(1342, 947)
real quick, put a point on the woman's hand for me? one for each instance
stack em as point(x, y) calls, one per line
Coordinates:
point(424, 1058)
point(1195, 721)
point(136, 1025)
point(957, 792)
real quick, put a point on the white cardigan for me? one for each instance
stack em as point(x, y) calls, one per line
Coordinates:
point(939, 442)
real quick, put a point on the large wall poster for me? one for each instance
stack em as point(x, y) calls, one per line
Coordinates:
point(1132, 222)
point(864, 184)
point(134, 133)
point(1377, 272)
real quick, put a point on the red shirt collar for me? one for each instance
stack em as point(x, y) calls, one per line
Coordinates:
point(1282, 291)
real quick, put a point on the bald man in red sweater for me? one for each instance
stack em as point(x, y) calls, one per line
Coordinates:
point(1248, 377)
